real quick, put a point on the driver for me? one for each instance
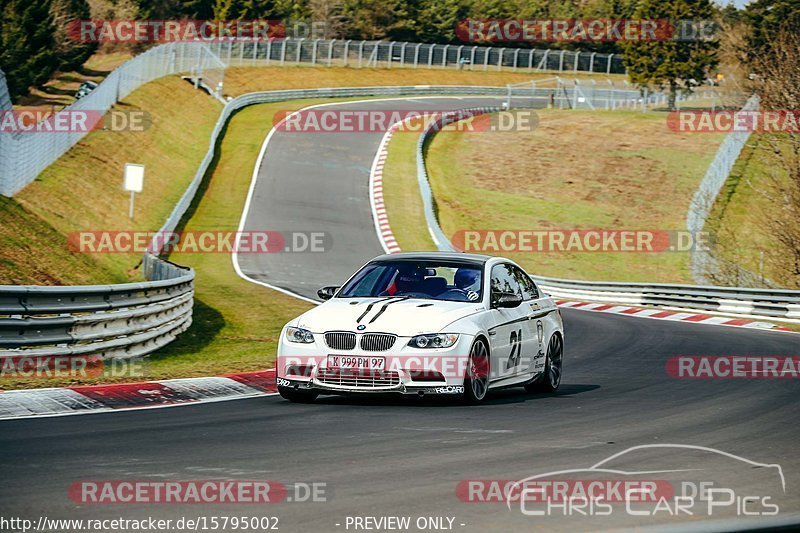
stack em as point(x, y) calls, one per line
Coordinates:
point(468, 280)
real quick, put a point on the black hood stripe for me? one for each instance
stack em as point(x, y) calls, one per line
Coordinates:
point(387, 304)
point(370, 306)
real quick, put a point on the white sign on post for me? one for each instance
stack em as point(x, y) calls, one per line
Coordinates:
point(133, 182)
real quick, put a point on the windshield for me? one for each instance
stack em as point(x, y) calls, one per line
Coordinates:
point(433, 280)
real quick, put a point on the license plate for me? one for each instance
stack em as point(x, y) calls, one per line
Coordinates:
point(356, 362)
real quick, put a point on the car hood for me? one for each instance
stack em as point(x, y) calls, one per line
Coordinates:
point(404, 317)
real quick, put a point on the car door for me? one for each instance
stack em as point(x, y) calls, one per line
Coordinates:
point(537, 307)
point(513, 341)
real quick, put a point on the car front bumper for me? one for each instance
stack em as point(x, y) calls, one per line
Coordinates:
point(408, 371)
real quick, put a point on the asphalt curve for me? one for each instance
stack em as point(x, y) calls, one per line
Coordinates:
point(390, 457)
point(319, 182)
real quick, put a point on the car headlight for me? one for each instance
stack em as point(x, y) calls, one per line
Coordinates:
point(299, 335)
point(434, 340)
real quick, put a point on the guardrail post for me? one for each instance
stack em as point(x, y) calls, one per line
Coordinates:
point(314, 47)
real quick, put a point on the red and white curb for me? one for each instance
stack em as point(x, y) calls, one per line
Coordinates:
point(126, 396)
point(669, 315)
point(379, 214)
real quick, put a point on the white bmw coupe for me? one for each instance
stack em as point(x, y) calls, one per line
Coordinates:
point(425, 324)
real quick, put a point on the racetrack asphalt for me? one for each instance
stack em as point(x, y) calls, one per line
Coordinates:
point(405, 457)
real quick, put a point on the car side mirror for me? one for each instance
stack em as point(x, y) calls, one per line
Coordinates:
point(326, 293)
point(506, 300)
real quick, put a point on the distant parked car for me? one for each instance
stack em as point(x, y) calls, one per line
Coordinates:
point(86, 87)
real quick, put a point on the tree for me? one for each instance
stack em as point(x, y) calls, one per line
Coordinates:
point(373, 19)
point(767, 19)
point(71, 54)
point(672, 63)
point(27, 47)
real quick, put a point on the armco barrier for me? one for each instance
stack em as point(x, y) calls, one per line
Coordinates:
point(110, 321)
point(773, 303)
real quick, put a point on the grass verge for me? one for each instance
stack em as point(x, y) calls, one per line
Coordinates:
point(576, 170)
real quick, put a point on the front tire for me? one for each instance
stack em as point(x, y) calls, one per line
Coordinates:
point(554, 362)
point(476, 382)
point(297, 396)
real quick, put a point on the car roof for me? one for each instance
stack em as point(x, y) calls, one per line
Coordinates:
point(478, 259)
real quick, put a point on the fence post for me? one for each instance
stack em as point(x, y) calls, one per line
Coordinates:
point(516, 56)
point(346, 53)
point(416, 55)
point(313, 52)
point(430, 55)
point(360, 53)
point(543, 62)
point(591, 61)
point(283, 52)
point(403, 55)
point(330, 51)
point(444, 55)
point(299, 49)
point(530, 59)
point(391, 48)
point(608, 66)
point(561, 61)
point(575, 66)
point(255, 53)
point(458, 58)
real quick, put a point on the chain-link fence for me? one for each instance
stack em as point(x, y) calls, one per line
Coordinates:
point(705, 267)
point(599, 93)
point(412, 55)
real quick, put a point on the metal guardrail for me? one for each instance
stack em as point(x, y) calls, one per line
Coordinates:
point(110, 321)
point(773, 303)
